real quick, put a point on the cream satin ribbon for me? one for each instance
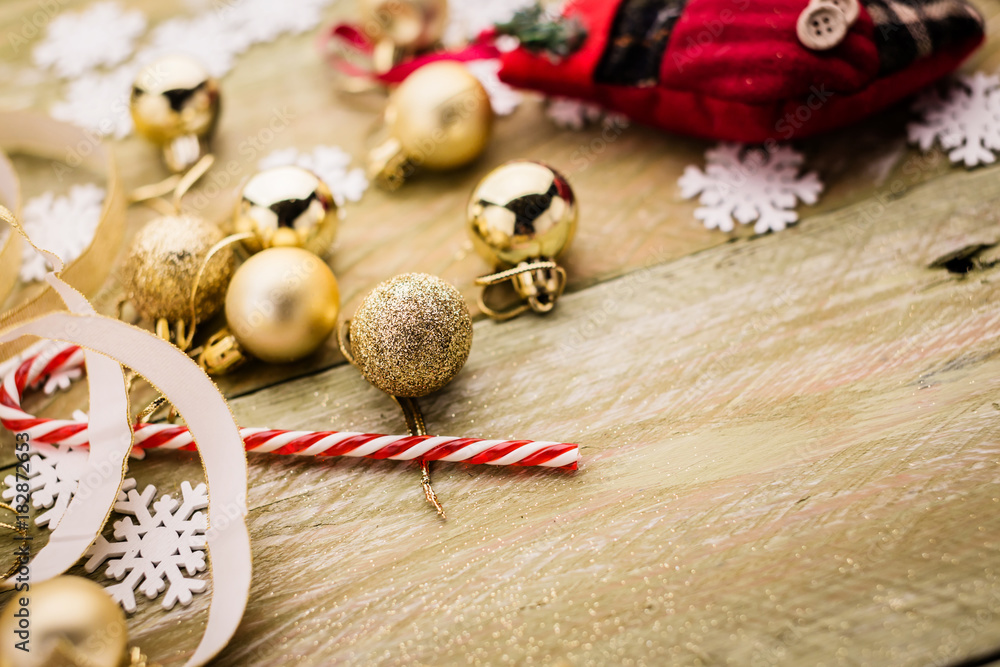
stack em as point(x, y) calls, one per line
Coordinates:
point(10, 249)
point(25, 132)
point(109, 343)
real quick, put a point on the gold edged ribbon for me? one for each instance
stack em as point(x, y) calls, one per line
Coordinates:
point(35, 134)
point(108, 344)
point(10, 249)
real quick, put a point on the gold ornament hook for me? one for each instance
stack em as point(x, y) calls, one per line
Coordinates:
point(387, 164)
point(153, 195)
point(411, 413)
point(538, 282)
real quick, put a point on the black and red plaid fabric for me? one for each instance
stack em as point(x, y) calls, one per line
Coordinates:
point(909, 29)
point(736, 70)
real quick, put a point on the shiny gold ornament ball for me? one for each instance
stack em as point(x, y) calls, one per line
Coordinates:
point(441, 116)
point(287, 206)
point(411, 335)
point(161, 267)
point(522, 210)
point(412, 25)
point(69, 617)
point(282, 304)
point(172, 97)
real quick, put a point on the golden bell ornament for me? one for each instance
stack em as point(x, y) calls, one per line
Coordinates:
point(282, 303)
point(521, 217)
point(411, 335)
point(439, 118)
point(66, 621)
point(286, 206)
point(175, 105)
point(166, 260)
point(401, 28)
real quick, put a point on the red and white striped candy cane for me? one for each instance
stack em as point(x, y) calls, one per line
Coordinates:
point(66, 358)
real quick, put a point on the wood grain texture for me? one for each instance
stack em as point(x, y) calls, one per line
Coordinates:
point(791, 443)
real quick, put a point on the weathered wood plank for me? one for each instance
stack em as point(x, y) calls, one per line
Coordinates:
point(791, 447)
point(791, 454)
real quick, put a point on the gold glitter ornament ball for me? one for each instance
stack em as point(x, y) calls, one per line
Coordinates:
point(282, 304)
point(287, 206)
point(411, 335)
point(162, 265)
point(522, 210)
point(69, 612)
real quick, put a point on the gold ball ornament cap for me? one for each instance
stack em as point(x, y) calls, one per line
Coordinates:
point(163, 263)
point(520, 211)
point(439, 117)
point(175, 104)
point(72, 621)
point(287, 206)
point(411, 335)
point(282, 304)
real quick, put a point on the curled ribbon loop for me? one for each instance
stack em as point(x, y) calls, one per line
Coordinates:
point(109, 344)
point(35, 134)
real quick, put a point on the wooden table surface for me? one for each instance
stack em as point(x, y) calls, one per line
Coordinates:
point(791, 442)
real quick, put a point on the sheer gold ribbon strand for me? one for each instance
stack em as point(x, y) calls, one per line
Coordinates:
point(25, 132)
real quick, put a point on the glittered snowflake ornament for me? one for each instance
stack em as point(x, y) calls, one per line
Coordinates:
point(745, 185)
point(153, 553)
point(964, 120)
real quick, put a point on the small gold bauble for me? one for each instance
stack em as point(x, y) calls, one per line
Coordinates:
point(163, 263)
point(522, 210)
point(411, 335)
point(439, 117)
point(174, 96)
point(282, 304)
point(287, 206)
point(175, 104)
point(412, 25)
point(71, 620)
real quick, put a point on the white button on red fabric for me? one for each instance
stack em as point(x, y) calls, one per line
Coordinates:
point(851, 8)
point(821, 26)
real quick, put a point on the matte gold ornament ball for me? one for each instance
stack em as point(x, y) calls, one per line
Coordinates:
point(441, 116)
point(287, 206)
point(175, 104)
point(411, 335)
point(163, 263)
point(522, 210)
point(282, 304)
point(71, 621)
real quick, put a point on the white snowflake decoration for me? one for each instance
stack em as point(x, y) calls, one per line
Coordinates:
point(330, 163)
point(503, 98)
point(965, 120)
point(102, 35)
point(54, 473)
point(153, 554)
point(63, 225)
point(749, 184)
point(570, 114)
point(99, 102)
point(266, 20)
point(208, 38)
